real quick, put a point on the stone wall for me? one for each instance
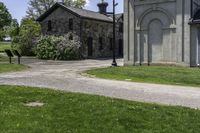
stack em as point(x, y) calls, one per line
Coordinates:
point(84, 28)
point(60, 23)
point(95, 30)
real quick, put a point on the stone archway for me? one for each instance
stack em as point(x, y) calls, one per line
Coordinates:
point(155, 36)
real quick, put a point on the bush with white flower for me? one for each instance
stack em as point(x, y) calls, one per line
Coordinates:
point(65, 47)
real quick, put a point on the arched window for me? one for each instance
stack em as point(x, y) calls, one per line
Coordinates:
point(71, 24)
point(90, 46)
point(121, 27)
point(70, 37)
point(111, 43)
point(49, 25)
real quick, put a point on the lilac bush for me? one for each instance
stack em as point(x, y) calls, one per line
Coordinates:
point(65, 47)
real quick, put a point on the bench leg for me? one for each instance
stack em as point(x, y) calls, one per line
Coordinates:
point(18, 60)
point(10, 60)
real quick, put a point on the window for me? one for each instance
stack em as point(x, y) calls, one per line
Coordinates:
point(111, 43)
point(70, 24)
point(121, 27)
point(70, 37)
point(100, 43)
point(120, 52)
point(49, 25)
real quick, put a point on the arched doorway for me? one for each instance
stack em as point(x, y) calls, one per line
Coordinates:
point(90, 46)
point(155, 37)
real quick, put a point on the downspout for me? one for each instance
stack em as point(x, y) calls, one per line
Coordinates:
point(191, 9)
point(81, 29)
point(128, 30)
point(183, 31)
point(198, 50)
point(81, 40)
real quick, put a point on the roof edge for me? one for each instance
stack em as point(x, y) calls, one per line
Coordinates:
point(56, 5)
point(51, 9)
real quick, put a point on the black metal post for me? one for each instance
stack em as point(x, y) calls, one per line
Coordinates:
point(114, 63)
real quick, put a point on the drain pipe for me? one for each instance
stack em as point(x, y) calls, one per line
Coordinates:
point(128, 30)
point(198, 56)
point(198, 51)
point(191, 9)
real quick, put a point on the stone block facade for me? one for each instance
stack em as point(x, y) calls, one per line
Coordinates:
point(60, 23)
point(95, 34)
point(158, 32)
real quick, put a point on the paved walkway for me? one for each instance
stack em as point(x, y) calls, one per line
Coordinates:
point(66, 76)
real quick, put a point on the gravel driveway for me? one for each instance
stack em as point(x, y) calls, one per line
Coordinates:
point(65, 75)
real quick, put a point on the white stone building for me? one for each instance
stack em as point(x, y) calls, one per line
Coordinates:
point(162, 32)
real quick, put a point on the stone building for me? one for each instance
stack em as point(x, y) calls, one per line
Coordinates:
point(162, 32)
point(93, 28)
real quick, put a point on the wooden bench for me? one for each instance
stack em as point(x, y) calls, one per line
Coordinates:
point(16, 53)
point(9, 54)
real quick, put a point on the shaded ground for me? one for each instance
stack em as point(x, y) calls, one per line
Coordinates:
point(66, 76)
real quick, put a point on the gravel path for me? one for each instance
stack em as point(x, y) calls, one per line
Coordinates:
point(66, 76)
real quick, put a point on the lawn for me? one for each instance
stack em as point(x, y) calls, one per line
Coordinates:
point(4, 45)
point(4, 58)
point(80, 113)
point(151, 74)
point(11, 67)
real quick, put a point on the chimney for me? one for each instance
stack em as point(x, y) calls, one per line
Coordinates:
point(103, 7)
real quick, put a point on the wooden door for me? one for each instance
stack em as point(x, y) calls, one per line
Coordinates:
point(90, 46)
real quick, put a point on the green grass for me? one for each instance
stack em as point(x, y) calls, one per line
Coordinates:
point(4, 45)
point(151, 74)
point(11, 67)
point(80, 113)
point(4, 58)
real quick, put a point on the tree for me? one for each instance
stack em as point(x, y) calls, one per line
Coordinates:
point(13, 29)
point(5, 19)
point(38, 7)
point(29, 27)
point(28, 33)
point(5, 16)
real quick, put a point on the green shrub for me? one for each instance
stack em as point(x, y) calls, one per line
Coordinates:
point(25, 42)
point(15, 44)
point(58, 48)
point(46, 48)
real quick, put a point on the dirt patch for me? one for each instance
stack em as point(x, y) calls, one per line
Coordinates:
point(34, 104)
